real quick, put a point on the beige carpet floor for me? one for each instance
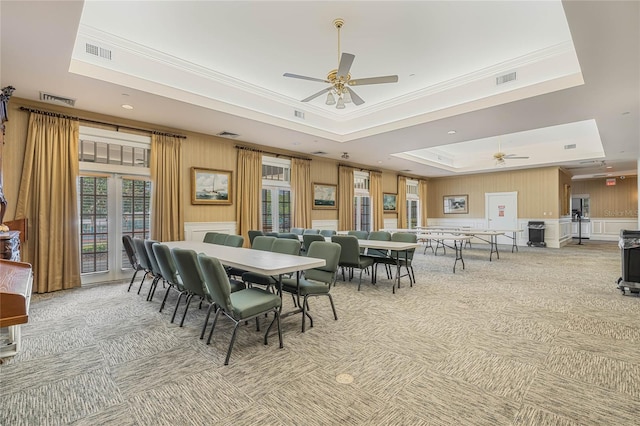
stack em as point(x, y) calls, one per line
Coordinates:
point(539, 337)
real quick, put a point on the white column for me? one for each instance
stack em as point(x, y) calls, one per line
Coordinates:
point(638, 169)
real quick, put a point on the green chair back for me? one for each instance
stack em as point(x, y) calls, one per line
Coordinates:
point(263, 242)
point(216, 281)
point(327, 232)
point(252, 234)
point(378, 236)
point(220, 239)
point(148, 245)
point(208, 237)
point(297, 231)
point(404, 237)
point(189, 270)
point(310, 231)
point(330, 252)
point(289, 235)
point(167, 265)
point(286, 246)
point(141, 254)
point(234, 241)
point(350, 252)
point(361, 235)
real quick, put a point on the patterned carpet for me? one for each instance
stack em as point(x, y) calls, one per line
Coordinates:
point(539, 337)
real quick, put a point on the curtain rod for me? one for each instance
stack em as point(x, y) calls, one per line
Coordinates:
point(359, 168)
point(272, 153)
point(85, 120)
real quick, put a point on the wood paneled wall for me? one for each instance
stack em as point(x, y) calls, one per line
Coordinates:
point(620, 200)
point(538, 192)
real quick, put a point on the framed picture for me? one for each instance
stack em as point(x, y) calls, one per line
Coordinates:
point(325, 196)
point(389, 203)
point(210, 186)
point(456, 204)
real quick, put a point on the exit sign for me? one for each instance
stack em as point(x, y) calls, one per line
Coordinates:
point(611, 182)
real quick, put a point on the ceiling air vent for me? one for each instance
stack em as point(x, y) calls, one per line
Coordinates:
point(298, 114)
point(226, 134)
point(319, 153)
point(502, 79)
point(55, 99)
point(98, 51)
point(570, 146)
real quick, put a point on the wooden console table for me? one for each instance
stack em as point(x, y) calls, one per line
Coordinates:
point(16, 281)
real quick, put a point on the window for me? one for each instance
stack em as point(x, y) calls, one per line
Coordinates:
point(413, 204)
point(114, 195)
point(361, 202)
point(276, 194)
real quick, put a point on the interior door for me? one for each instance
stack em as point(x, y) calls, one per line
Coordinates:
point(502, 213)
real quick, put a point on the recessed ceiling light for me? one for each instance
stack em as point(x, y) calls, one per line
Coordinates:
point(451, 132)
point(127, 106)
point(626, 113)
point(609, 167)
point(379, 161)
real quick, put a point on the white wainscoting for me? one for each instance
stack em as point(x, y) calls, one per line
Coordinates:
point(565, 231)
point(390, 224)
point(608, 229)
point(325, 224)
point(195, 231)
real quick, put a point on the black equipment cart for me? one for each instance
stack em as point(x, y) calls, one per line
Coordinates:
point(629, 244)
point(536, 233)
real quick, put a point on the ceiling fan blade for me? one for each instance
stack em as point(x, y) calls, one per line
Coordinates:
point(345, 65)
point(354, 97)
point(374, 80)
point(315, 95)
point(302, 77)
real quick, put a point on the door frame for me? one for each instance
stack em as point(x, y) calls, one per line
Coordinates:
point(487, 208)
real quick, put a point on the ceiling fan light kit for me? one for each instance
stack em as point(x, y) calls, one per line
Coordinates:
point(340, 78)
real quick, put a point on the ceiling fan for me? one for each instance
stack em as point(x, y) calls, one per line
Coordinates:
point(500, 157)
point(340, 79)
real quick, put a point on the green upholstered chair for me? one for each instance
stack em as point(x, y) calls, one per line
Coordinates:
point(220, 239)
point(208, 237)
point(401, 257)
point(155, 269)
point(379, 255)
point(327, 232)
point(289, 235)
point(193, 281)
point(361, 235)
point(280, 245)
point(234, 241)
point(350, 257)
point(238, 306)
point(127, 242)
point(310, 231)
point(254, 233)
point(170, 274)
point(316, 281)
point(143, 259)
point(297, 231)
point(307, 239)
point(271, 234)
point(263, 242)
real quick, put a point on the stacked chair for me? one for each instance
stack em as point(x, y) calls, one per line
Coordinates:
point(129, 248)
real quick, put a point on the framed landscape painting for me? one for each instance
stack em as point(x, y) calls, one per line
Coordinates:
point(325, 196)
point(389, 203)
point(456, 204)
point(210, 186)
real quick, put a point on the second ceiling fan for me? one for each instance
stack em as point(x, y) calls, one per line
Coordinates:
point(340, 79)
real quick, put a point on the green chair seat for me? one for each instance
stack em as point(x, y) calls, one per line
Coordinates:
point(307, 287)
point(252, 301)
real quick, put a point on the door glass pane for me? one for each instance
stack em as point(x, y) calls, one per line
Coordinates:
point(284, 210)
point(136, 214)
point(94, 224)
point(267, 215)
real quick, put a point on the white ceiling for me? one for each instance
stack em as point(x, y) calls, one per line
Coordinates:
point(217, 66)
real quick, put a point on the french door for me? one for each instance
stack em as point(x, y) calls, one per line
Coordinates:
point(110, 206)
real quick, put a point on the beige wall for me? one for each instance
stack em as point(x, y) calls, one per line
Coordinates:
point(537, 191)
point(619, 201)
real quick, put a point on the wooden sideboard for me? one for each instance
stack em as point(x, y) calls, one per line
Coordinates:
point(16, 282)
point(10, 245)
